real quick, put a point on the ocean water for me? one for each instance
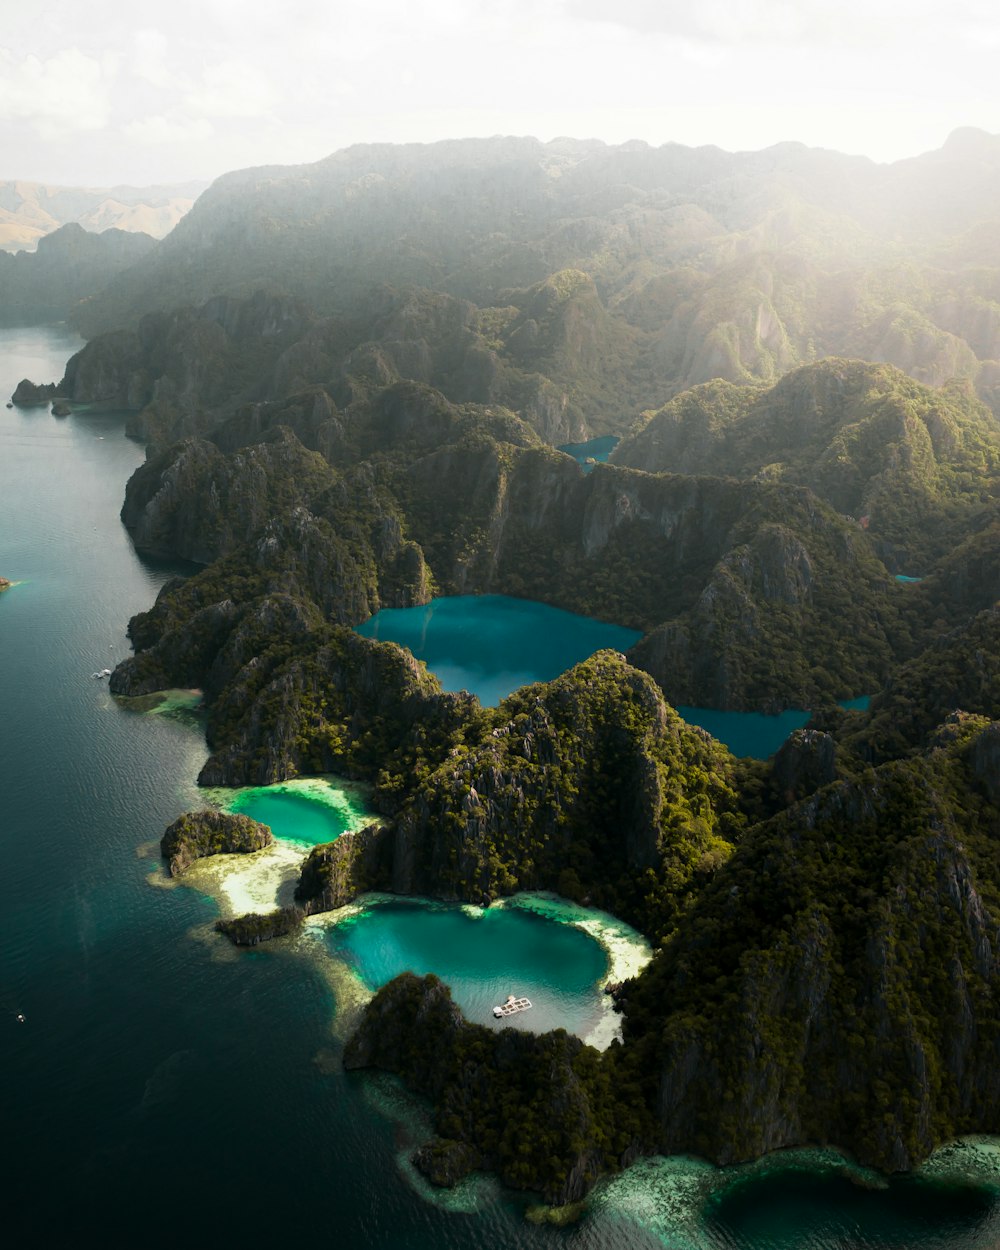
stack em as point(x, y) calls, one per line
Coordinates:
point(493, 644)
point(164, 1088)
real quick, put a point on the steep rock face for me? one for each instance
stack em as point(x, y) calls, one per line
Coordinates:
point(749, 578)
point(336, 873)
point(554, 1136)
point(110, 371)
point(960, 669)
point(869, 441)
point(794, 581)
point(590, 778)
point(806, 762)
point(180, 372)
point(193, 502)
point(835, 982)
point(196, 834)
point(71, 264)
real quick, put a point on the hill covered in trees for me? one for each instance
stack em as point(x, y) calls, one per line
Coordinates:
point(351, 377)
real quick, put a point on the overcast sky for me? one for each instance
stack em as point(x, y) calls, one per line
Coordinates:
point(105, 91)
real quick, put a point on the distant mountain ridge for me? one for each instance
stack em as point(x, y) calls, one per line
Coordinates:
point(31, 210)
point(619, 276)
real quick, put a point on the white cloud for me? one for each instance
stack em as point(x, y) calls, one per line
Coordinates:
point(169, 128)
point(65, 94)
point(150, 59)
point(231, 89)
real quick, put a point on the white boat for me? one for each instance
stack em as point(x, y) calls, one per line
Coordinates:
point(511, 1006)
point(105, 672)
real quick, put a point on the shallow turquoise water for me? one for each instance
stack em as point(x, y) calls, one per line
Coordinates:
point(901, 577)
point(483, 955)
point(493, 644)
point(308, 813)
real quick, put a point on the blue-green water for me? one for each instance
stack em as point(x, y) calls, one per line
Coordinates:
point(901, 577)
point(310, 812)
point(484, 955)
point(492, 644)
point(753, 733)
point(593, 450)
point(746, 733)
point(164, 1088)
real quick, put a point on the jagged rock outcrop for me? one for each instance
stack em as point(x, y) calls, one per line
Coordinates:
point(28, 394)
point(336, 873)
point(835, 981)
point(806, 761)
point(583, 785)
point(197, 834)
point(914, 462)
point(555, 1136)
point(256, 927)
point(193, 502)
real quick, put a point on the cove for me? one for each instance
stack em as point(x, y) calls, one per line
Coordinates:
point(482, 954)
point(307, 811)
point(594, 450)
point(492, 645)
point(752, 733)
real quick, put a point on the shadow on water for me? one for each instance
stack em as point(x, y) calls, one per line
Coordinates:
point(800, 1209)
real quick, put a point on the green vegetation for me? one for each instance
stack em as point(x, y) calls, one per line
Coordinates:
point(545, 1113)
point(197, 834)
point(254, 928)
point(826, 924)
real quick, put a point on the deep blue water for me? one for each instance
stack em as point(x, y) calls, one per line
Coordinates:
point(492, 644)
point(164, 1089)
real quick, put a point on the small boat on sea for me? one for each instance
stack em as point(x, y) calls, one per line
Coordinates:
point(105, 672)
point(511, 1006)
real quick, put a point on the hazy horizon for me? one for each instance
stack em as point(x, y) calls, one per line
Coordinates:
point(89, 97)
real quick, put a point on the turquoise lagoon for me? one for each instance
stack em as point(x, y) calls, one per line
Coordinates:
point(484, 954)
point(492, 645)
point(150, 1045)
point(307, 811)
point(593, 450)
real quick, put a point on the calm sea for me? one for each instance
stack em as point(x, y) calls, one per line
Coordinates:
point(162, 1086)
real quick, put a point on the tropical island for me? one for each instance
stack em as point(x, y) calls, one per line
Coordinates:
point(803, 422)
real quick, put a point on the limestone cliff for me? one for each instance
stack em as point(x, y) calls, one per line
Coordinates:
point(835, 982)
point(542, 1112)
point(196, 834)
